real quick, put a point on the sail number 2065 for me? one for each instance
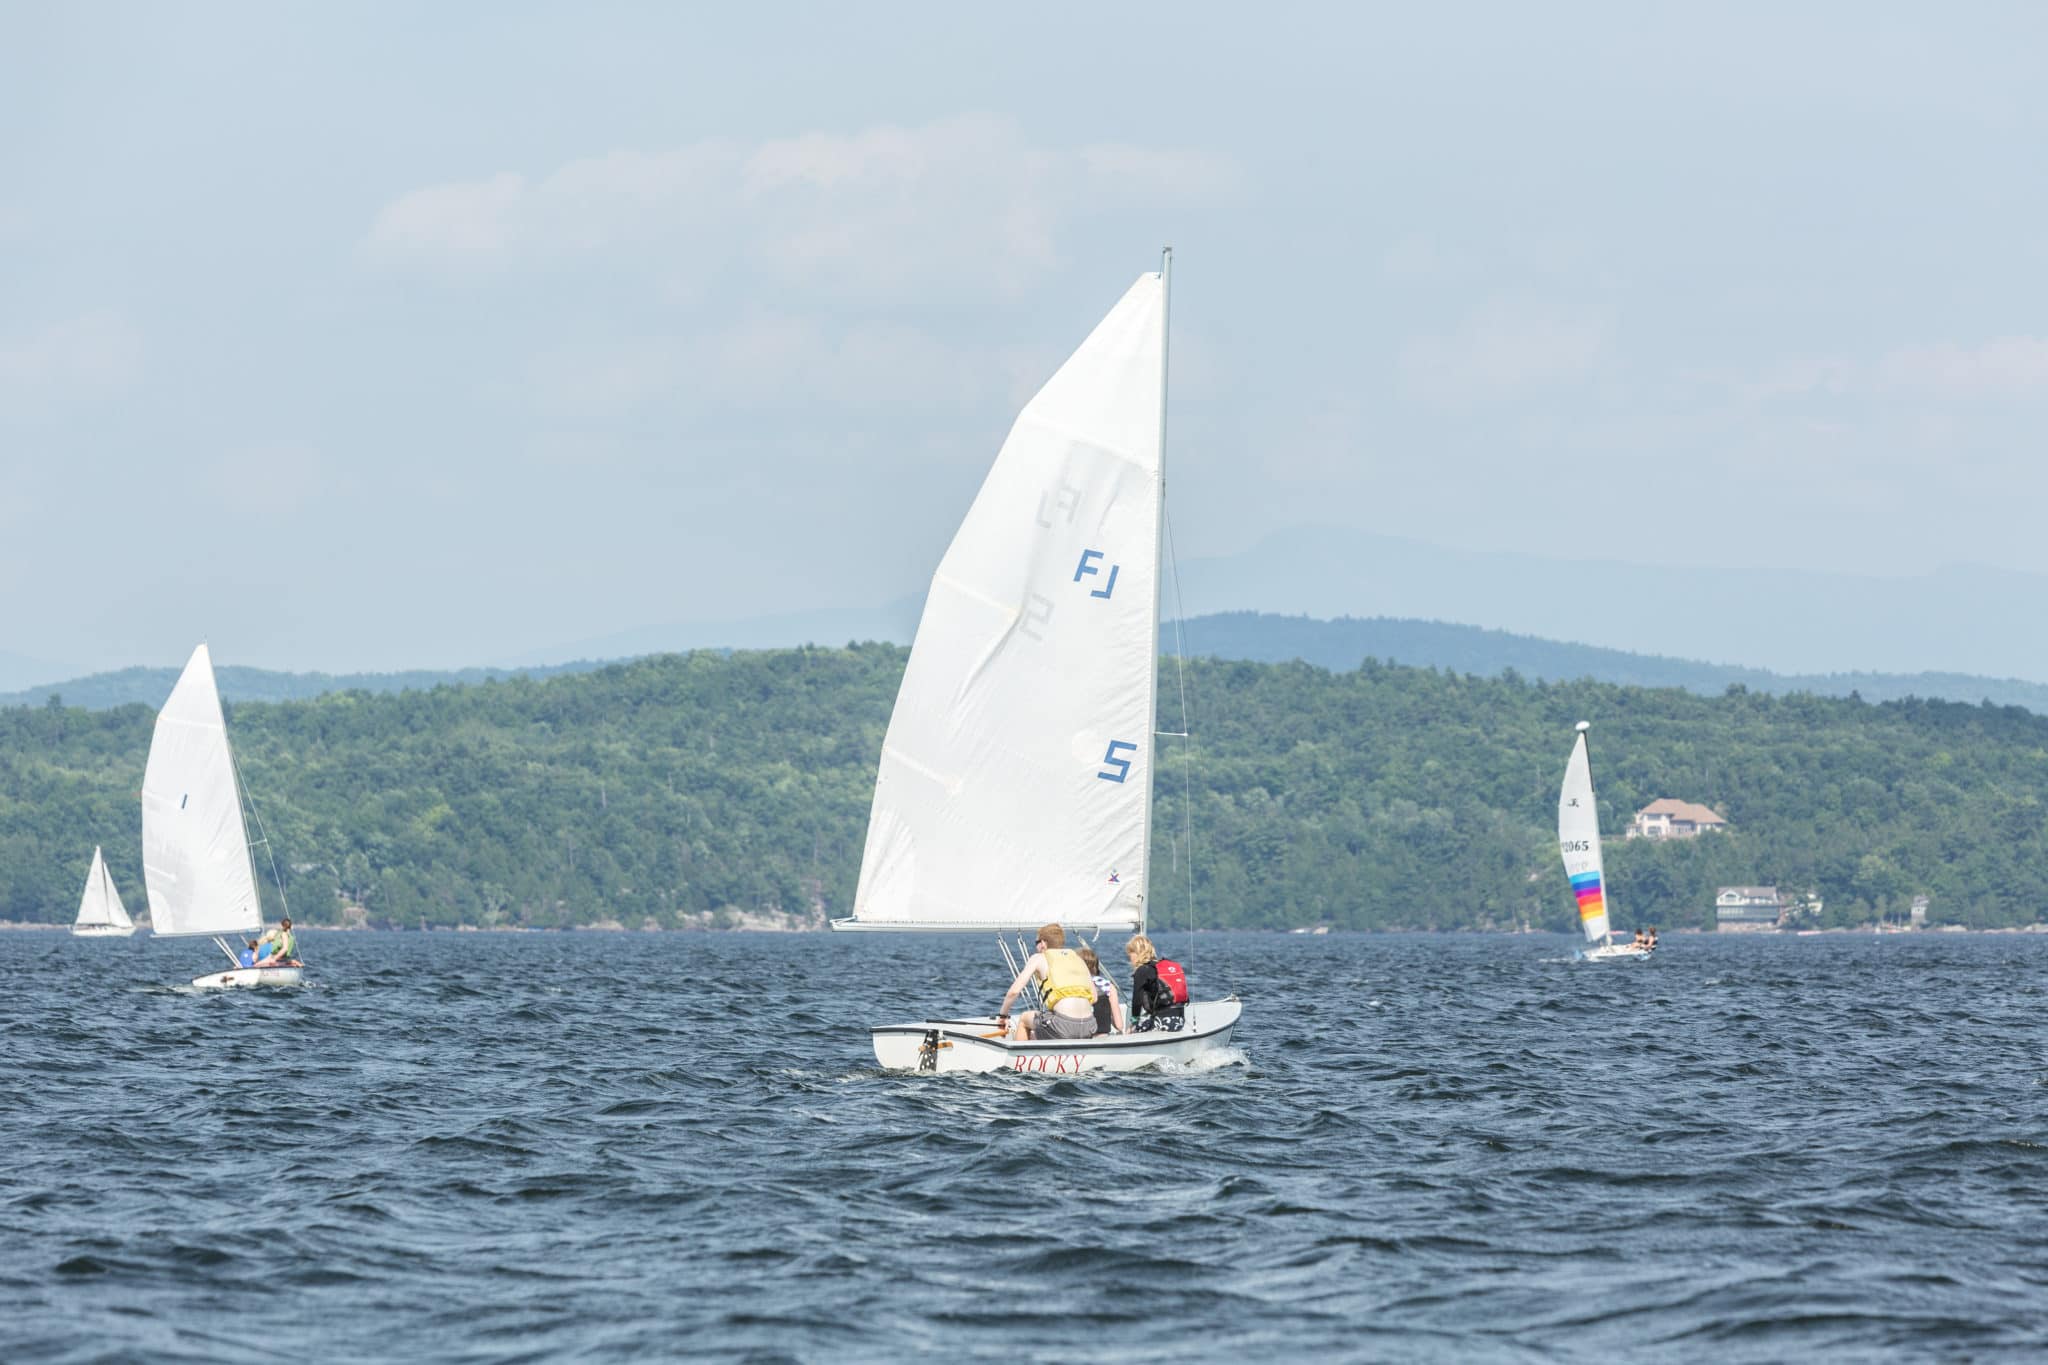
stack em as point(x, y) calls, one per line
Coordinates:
point(1576, 845)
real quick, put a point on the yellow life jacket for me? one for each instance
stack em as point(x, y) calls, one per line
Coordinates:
point(1066, 975)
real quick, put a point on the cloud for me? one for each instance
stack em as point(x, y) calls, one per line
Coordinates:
point(83, 357)
point(765, 358)
point(1503, 353)
point(859, 211)
point(2005, 367)
point(471, 220)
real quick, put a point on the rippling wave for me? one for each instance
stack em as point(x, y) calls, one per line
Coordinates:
point(471, 1147)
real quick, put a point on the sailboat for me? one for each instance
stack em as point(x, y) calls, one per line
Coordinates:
point(1015, 786)
point(100, 912)
point(195, 846)
point(1578, 839)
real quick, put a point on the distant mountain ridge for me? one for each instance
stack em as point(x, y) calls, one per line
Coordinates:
point(149, 686)
point(1967, 620)
point(1342, 644)
point(1339, 645)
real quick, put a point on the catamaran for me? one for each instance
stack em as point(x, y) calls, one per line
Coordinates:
point(100, 912)
point(1578, 839)
point(1015, 786)
point(195, 845)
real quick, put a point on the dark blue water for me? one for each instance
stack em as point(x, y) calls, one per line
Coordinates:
point(481, 1147)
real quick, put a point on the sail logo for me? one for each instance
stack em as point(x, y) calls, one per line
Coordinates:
point(1087, 567)
point(1067, 1064)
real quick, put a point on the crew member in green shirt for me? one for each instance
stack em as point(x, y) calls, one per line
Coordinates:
point(283, 946)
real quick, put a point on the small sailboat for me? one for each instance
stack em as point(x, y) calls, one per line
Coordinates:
point(1578, 839)
point(100, 912)
point(195, 846)
point(1015, 785)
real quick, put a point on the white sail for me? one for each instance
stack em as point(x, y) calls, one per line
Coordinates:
point(1016, 776)
point(195, 849)
point(100, 905)
point(1578, 839)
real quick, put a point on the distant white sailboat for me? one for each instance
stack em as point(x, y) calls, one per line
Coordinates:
point(195, 847)
point(100, 912)
point(1015, 786)
point(1578, 839)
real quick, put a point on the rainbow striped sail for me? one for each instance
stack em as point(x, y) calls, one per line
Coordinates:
point(1578, 840)
point(1586, 887)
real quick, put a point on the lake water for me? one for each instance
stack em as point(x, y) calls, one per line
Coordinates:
point(482, 1147)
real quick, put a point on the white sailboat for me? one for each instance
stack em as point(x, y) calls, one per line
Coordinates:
point(1015, 786)
point(1578, 839)
point(195, 847)
point(100, 912)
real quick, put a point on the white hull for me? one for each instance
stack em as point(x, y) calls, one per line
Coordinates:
point(973, 1045)
point(102, 930)
point(250, 976)
point(1615, 952)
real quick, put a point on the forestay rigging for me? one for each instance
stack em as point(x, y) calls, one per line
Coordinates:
point(195, 849)
point(1578, 839)
point(1015, 783)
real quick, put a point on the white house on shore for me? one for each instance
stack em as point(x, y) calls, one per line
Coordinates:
point(1747, 909)
point(1669, 818)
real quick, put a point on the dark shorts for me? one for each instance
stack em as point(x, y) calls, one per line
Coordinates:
point(1169, 1021)
point(1057, 1026)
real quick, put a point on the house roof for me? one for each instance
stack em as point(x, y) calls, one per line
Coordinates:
point(1691, 811)
point(1751, 893)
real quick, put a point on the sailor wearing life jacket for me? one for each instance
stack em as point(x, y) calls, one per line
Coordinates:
point(279, 947)
point(1064, 986)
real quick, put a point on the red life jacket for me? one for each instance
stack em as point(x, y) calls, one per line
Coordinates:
point(1175, 978)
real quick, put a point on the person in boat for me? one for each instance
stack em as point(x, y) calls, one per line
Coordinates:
point(282, 946)
point(1650, 943)
point(1109, 1006)
point(1063, 986)
point(1641, 940)
point(1152, 1002)
point(247, 957)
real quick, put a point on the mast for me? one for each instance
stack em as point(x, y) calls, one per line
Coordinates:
point(1159, 586)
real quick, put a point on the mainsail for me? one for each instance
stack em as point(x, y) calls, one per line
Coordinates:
point(1015, 785)
point(195, 849)
point(1578, 839)
point(100, 905)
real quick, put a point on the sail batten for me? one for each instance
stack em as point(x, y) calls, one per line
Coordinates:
point(1015, 778)
point(1578, 841)
point(196, 867)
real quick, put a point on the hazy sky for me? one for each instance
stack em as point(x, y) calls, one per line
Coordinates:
point(367, 336)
